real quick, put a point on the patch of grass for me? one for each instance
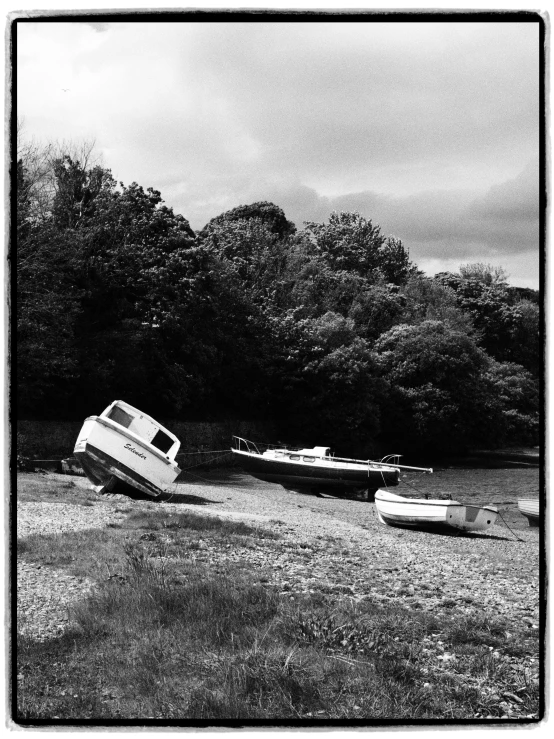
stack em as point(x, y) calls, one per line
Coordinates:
point(94, 553)
point(477, 630)
point(190, 644)
point(362, 628)
point(161, 520)
point(214, 610)
point(164, 636)
point(278, 681)
point(54, 488)
point(99, 554)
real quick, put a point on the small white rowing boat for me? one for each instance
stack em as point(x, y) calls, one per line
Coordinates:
point(424, 513)
point(530, 507)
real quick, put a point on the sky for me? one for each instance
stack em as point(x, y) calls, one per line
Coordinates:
point(431, 130)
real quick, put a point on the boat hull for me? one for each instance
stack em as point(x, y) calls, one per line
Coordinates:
point(434, 515)
point(530, 508)
point(319, 475)
point(113, 458)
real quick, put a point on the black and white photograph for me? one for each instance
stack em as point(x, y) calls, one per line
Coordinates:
point(277, 362)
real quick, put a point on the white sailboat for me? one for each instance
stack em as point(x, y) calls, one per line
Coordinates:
point(315, 469)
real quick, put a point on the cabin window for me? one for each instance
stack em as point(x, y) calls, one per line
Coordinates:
point(308, 459)
point(118, 415)
point(294, 456)
point(162, 441)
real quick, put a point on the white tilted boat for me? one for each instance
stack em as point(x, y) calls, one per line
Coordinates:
point(124, 450)
point(530, 507)
point(315, 470)
point(438, 514)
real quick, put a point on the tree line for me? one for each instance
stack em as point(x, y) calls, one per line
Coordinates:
point(330, 331)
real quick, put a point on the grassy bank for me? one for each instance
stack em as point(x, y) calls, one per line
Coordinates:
point(166, 637)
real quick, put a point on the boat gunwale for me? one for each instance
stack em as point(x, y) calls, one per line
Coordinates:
point(123, 472)
point(315, 457)
point(530, 507)
point(286, 459)
point(400, 500)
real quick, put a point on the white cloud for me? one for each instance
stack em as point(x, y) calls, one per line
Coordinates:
point(424, 127)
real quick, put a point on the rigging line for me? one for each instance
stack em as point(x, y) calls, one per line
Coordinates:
point(513, 532)
point(206, 461)
point(205, 479)
point(209, 451)
point(413, 486)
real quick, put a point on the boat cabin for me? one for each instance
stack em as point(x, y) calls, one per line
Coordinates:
point(317, 451)
point(145, 427)
point(306, 455)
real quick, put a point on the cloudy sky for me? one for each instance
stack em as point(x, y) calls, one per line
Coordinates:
point(429, 129)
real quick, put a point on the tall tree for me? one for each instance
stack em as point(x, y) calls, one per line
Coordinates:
point(353, 243)
point(433, 372)
point(426, 299)
point(47, 306)
point(510, 408)
point(252, 251)
point(268, 213)
point(375, 309)
point(324, 383)
point(486, 273)
point(508, 331)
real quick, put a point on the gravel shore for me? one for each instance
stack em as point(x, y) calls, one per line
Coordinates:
point(329, 545)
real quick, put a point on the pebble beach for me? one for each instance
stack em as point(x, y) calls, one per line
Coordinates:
point(333, 545)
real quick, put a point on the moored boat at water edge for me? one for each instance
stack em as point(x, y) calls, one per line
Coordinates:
point(439, 514)
point(315, 470)
point(530, 507)
point(124, 450)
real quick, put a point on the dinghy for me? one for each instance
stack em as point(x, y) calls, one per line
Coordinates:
point(438, 514)
point(123, 451)
point(530, 507)
point(315, 470)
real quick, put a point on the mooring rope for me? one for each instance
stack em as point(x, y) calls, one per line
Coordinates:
point(508, 527)
point(227, 453)
point(413, 486)
point(209, 451)
point(205, 479)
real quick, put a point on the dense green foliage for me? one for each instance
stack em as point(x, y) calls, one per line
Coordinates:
point(330, 331)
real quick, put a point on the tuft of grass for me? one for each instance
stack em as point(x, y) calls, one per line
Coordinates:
point(101, 553)
point(151, 597)
point(162, 520)
point(477, 630)
point(363, 628)
point(88, 553)
point(53, 488)
point(283, 682)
